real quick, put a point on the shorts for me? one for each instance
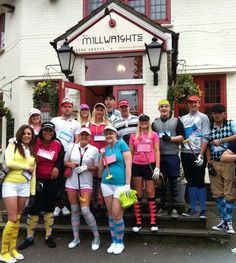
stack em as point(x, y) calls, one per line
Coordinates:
point(15, 189)
point(109, 189)
point(143, 171)
point(84, 190)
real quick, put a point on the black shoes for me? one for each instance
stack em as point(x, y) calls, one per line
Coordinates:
point(27, 243)
point(50, 242)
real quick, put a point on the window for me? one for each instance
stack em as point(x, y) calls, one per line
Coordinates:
point(213, 91)
point(114, 68)
point(155, 9)
point(2, 31)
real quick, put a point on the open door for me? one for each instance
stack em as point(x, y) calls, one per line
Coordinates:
point(75, 91)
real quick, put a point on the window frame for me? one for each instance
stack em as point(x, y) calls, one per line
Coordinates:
point(2, 31)
point(147, 10)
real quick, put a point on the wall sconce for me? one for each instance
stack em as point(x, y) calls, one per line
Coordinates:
point(66, 56)
point(8, 8)
point(154, 51)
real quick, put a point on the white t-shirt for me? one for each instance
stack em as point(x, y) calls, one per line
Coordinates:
point(66, 129)
point(90, 157)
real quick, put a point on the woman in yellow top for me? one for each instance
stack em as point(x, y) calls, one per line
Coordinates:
point(17, 186)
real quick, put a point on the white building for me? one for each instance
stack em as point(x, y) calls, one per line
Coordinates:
point(206, 50)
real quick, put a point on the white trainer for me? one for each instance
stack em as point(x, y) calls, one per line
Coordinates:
point(7, 258)
point(118, 249)
point(95, 244)
point(57, 211)
point(111, 248)
point(136, 229)
point(154, 228)
point(74, 243)
point(65, 211)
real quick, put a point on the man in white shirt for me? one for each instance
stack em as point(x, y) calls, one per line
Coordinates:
point(67, 131)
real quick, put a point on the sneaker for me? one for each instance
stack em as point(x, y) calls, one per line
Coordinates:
point(118, 249)
point(27, 243)
point(203, 214)
point(15, 254)
point(57, 211)
point(190, 213)
point(136, 228)
point(161, 212)
point(174, 213)
point(154, 228)
point(229, 227)
point(74, 243)
point(95, 244)
point(233, 250)
point(7, 258)
point(65, 211)
point(220, 226)
point(50, 242)
point(111, 248)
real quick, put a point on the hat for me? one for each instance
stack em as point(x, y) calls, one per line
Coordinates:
point(84, 106)
point(110, 96)
point(163, 102)
point(67, 100)
point(143, 117)
point(84, 129)
point(123, 103)
point(194, 98)
point(218, 108)
point(99, 104)
point(110, 127)
point(34, 111)
point(48, 125)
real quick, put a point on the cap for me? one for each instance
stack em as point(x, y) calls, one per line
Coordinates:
point(194, 98)
point(110, 127)
point(218, 108)
point(34, 111)
point(48, 125)
point(123, 103)
point(143, 117)
point(67, 100)
point(99, 104)
point(84, 106)
point(163, 102)
point(84, 129)
point(110, 96)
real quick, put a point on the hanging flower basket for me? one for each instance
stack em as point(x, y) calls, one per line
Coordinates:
point(4, 111)
point(46, 92)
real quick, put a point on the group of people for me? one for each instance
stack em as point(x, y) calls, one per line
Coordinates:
point(118, 151)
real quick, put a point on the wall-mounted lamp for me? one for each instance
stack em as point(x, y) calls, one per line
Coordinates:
point(112, 22)
point(154, 51)
point(66, 56)
point(8, 8)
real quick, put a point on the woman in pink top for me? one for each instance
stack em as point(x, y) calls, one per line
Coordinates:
point(144, 146)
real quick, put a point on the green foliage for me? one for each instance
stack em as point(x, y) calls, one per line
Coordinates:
point(46, 91)
point(5, 111)
point(183, 88)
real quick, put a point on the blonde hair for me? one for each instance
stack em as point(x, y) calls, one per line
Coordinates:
point(105, 116)
point(79, 116)
point(149, 130)
point(30, 120)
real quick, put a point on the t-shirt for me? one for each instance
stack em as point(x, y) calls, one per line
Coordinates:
point(197, 129)
point(144, 147)
point(66, 129)
point(117, 168)
point(97, 138)
point(90, 157)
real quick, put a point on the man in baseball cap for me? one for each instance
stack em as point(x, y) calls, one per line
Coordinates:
point(127, 123)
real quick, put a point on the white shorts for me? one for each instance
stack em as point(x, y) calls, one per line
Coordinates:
point(15, 189)
point(109, 189)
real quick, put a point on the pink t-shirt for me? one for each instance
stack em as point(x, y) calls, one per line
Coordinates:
point(97, 138)
point(144, 148)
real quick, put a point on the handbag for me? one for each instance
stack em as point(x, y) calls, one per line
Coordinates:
point(68, 170)
point(127, 201)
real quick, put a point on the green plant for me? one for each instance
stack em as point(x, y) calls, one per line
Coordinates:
point(183, 88)
point(46, 91)
point(5, 111)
